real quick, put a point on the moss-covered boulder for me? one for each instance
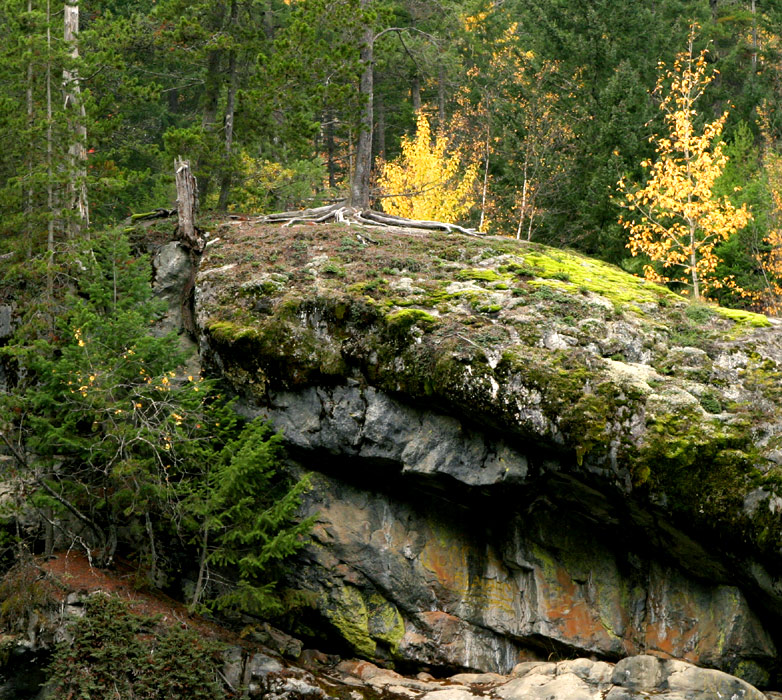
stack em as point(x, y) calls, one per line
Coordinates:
point(580, 373)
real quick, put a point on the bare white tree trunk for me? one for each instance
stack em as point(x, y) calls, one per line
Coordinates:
point(485, 171)
point(696, 292)
point(523, 212)
point(77, 151)
point(49, 135)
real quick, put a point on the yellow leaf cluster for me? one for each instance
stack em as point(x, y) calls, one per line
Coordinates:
point(771, 261)
point(676, 219)
point(426, 181)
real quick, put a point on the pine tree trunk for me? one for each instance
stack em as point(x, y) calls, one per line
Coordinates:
point(77, 152)
point(49, 149)
point(359, 187)
point(212, 87)
point(415, 94)
point(28, 198)
point(381, 125)
point(753, 9)
point(230, 108)
point(268, 21)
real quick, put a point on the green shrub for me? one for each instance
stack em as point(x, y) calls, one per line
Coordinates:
point(117, 653)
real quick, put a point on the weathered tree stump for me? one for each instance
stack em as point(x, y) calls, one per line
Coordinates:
point(186, 192)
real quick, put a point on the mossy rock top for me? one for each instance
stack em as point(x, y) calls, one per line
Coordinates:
point(678, 403)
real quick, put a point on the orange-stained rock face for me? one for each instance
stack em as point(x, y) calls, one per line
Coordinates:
point(489, 592)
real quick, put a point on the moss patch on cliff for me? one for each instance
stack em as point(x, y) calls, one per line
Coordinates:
point(701, 470)
point(583, 273)
point(364, 620)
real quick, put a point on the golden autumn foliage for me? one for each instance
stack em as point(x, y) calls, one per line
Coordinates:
point(771, 261)
point(675, 218)
point(426, 182)
point(519, 121)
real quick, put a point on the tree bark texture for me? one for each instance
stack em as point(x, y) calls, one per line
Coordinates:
point(381, 126)
point(212, 88)
point(49, 148)
point(74, 106)
point(359, 186)
point(415, 93)
point(28, 199)
point(186, 204)
point(230, 109)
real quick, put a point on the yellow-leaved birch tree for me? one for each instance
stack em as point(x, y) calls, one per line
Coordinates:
point(426, 182)
point(675, 218)
point(771, 261)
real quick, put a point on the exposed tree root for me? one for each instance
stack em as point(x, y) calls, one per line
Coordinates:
point(342, 213)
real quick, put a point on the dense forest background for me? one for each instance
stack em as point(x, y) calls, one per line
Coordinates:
point(547, 103)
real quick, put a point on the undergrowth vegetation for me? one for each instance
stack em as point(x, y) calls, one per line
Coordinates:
point(116, 653)
point(118, 451)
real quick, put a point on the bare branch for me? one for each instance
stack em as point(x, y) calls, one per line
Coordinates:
point(431, 37)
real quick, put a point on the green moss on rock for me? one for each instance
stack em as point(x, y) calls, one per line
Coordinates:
point(363, 619)
point(747, 318)
point(483, 275)
point(703, 467)
point(346, 609)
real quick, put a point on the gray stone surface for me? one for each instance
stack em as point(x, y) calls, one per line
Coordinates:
point(634, 678)
point(704, 683)
point(172, 268)
point(369, 424)
point(641, 672)
point(511, 490)
point(6, 321)
point(472, 583)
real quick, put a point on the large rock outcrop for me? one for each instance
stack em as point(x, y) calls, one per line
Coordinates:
point(519, 452)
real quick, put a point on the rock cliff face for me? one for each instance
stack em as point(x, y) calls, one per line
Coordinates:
point(519, 453)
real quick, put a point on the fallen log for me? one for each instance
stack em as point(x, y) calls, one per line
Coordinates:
point(342, 213)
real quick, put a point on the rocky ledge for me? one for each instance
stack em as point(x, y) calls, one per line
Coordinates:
point(521, 453)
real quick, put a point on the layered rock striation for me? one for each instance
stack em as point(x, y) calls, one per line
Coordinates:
point(519, 453)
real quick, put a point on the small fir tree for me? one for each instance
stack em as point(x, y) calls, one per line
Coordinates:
point(138, 455)
point(115, 652)
point(245, 523)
